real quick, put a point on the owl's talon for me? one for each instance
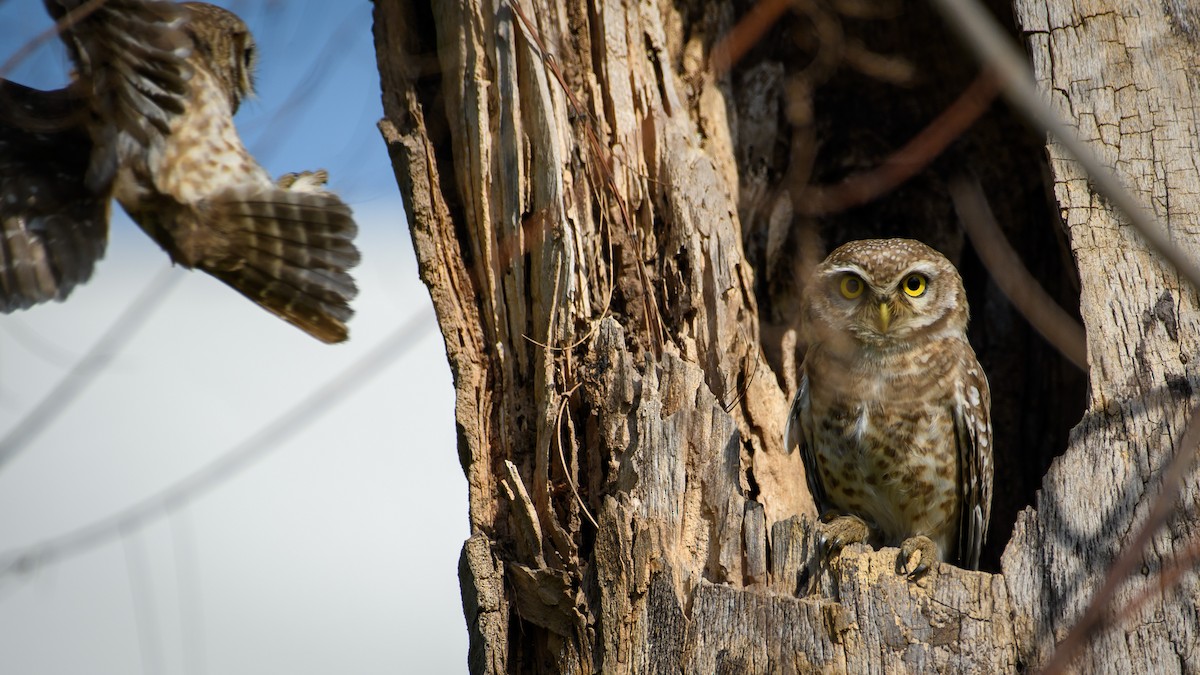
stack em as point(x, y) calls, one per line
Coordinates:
point(304, 181)
point(838, 532)
point(923, 547)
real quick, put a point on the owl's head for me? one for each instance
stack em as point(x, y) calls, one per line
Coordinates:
point(884, 293)
point(223, 44)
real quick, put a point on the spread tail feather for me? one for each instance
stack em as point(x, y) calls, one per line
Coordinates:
point(289, 252)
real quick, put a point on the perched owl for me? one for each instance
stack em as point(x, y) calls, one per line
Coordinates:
point(156, 87)
point(892, 417)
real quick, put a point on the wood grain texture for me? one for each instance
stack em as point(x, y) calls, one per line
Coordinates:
point(1124, 75)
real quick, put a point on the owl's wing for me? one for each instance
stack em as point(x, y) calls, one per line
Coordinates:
point(797, 433)
point(130, 59)
point(973, 435)
point(53, 228)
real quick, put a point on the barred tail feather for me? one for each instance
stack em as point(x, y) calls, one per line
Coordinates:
point(294, 250)
point(324, 321)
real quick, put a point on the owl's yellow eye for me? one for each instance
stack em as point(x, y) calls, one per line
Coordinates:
point(914, 285)
point(851, 287)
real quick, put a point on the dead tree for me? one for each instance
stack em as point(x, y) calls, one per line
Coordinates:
point(615, 234)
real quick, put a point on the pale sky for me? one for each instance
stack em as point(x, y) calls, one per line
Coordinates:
point(337, 551)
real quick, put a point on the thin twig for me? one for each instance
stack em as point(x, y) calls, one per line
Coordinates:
point(651, 316)
point(1096, 616)
point(64, 24)
point(595, 322)
point(741, 392)
point(747, 33)
point(256, 446)
point(993, 46)
point(908, 160)
point(92, 364)
point(141, 592)
point(562, 405)
point(1168, 577)
point(1025, 293)
point(39, 345)
point(279, 130)
point(188, 589)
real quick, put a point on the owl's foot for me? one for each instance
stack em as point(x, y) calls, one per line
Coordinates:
point(837, 532)
point(926, 551)
point(304, 181)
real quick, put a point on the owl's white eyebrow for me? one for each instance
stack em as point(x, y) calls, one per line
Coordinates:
point(927, 270)
point(853, 269)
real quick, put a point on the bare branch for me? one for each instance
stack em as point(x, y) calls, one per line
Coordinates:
point(252, 448)
point(70, 19)
point(1096, 616)
point(651, 315)
point(981, 33)
point(747, 33)
point(908, 160)
point(1168, 577)
point(92, 364)
point(1018, 285)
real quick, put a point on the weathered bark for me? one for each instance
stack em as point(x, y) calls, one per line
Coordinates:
point(1125, 74)
point(616, 311)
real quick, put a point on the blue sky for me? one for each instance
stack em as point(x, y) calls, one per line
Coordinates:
point(335, 552)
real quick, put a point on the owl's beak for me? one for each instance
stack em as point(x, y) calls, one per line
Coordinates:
point(885, 316)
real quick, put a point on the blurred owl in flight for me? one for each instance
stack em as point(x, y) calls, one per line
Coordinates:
point(148, 119)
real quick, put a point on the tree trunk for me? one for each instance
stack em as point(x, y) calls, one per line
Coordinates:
point(615, 240)
point(1125, 75)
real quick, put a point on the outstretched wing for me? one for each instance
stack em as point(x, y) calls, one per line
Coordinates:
point(131, 65)
point(53, 227)
point(798, 434)
point(973, 436)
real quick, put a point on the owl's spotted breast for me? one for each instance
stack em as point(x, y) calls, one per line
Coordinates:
point(881, 445)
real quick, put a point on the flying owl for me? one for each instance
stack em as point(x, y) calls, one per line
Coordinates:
point(148, 119)
point(892, 417)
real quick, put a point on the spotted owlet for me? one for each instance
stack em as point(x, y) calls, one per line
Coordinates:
point(148, 119)
point(892, 417)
